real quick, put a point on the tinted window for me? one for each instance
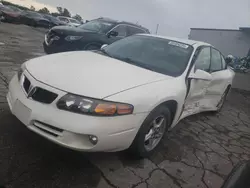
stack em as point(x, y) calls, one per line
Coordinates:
point(215, 61)
point(224, 65)
point(122, 30)
point(156, 54)
point(101, 26)
point(203, 60)
point(63, 19)
point(134, 30)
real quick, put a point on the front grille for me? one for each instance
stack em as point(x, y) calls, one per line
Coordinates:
point(48, 129)
point(38, 94)
point(50, 126)
point(48, 132)
point(50, 35)
point(43, 96)
point(26, 84)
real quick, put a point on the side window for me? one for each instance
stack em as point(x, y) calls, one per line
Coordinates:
point(203, 60)
point(224, 65)
point(122, 30)
point(216, 64)
point(134, 30)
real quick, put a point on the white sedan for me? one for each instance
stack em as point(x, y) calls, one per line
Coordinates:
point(127, 95)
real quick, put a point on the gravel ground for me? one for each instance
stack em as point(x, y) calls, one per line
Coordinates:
point(199, 152)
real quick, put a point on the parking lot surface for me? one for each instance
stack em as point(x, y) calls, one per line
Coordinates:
point(199, 152)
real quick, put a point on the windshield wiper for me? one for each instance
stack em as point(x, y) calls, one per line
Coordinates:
point(136, 63)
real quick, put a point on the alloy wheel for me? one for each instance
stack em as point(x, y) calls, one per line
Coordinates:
point(155, 133)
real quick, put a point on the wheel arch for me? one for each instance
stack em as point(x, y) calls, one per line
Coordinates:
point(172, 105)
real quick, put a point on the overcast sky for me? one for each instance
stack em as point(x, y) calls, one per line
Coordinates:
point(175, 17)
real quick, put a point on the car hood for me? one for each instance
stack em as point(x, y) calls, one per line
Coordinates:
point(69, 30)
point(11, 13)
point(89, 74)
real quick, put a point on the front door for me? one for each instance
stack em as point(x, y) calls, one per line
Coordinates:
point(196, 99)
point(122, 33)
point(220, 77)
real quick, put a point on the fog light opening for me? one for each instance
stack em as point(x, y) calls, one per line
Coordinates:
point(93, 139)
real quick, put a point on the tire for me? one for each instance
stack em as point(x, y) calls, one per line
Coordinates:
point(139, 147)
point(92, 47)
point(223, 99)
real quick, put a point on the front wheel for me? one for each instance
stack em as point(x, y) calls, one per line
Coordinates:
point(151, 132)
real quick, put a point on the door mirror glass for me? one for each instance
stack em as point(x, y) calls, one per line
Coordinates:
point(200, 75)
point(239, 176)
point(103, 46)
point(113, 34)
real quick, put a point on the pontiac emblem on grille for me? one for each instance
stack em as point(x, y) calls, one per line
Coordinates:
point(31, 91)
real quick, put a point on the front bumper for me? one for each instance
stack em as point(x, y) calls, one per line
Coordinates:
point(69, 129)
point(56, 48)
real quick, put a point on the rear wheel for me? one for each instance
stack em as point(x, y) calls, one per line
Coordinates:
point(151, 132)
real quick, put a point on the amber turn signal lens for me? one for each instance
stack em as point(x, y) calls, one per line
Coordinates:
point(123, 109)
point(105, 109)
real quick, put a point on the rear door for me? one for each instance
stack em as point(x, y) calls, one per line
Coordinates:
point(196, 100)
point(221, 77)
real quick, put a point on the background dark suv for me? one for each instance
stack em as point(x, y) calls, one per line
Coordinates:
point(89, 36)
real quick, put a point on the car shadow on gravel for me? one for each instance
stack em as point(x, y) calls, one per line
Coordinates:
point(28, 160)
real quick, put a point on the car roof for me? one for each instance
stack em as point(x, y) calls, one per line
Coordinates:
point(63, 17)
point(121, 22)
point(186, 41)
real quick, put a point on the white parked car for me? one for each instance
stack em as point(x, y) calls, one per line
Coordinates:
point(125, 96)
point(69, 21)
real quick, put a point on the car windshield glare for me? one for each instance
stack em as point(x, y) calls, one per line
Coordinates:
point(97, 26)
point(153, 53)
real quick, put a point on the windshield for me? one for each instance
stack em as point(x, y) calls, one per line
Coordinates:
point(74, 21)
point(34, 14)
point(51, 18)
point(98, 26)
point(15, 9)
point(156, 54)
point(5, 8)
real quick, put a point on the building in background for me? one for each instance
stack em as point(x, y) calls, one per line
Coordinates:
point(234, 42)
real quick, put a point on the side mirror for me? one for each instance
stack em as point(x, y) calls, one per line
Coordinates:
point(112, 33)
point(103, 46)
point(200, 75)
point(239, 176)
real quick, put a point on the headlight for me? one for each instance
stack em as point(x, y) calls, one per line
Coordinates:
point(20, 71)
point(73, 38)
point(84, 105)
